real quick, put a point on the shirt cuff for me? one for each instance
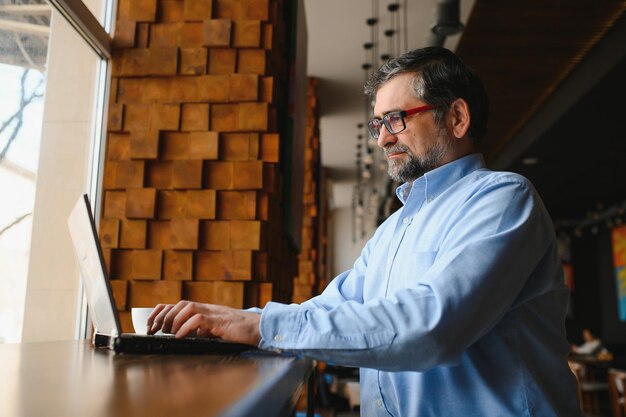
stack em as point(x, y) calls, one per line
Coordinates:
point(280, 326)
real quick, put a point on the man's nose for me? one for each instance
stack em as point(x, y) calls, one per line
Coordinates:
point(385, 138)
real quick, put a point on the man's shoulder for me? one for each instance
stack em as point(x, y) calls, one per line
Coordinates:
point(485, 177)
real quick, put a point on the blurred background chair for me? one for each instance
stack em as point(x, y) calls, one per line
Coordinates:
point(617, 381)
point(589, 389)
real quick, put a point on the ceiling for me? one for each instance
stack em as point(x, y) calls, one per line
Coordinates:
point(554, 71)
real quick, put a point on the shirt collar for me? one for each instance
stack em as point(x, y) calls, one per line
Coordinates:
point(439, 179)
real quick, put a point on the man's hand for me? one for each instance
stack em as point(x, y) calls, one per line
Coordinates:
point(206, 320)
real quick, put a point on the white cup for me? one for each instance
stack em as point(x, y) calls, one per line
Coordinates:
point(140, 319)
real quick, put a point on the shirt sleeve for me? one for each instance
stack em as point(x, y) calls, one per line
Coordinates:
point(483, 268)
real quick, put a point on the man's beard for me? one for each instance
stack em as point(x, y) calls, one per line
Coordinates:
point(413, 167)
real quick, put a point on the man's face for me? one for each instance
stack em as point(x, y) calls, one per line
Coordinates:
point(423, 145)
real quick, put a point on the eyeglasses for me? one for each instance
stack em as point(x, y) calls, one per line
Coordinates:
point(394, 121)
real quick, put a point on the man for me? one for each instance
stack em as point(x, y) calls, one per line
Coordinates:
point(456, 305)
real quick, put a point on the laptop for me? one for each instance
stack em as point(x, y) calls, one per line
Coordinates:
point(101, 305)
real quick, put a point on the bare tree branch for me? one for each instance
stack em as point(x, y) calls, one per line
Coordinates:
point(14, 222)
point(18, 116)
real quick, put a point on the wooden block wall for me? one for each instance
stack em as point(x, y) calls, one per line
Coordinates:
point(312, 260)
point(192, 185)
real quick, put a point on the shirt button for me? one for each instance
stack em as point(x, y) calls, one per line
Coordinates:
point(379, 403)
point(278, 338)
point(406, 220)
point(430, 200)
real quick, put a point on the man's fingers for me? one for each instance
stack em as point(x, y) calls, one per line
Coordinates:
point(157, 322)
point(198, 323)
point(155, 312)
point(183, 315)
point(168, 319)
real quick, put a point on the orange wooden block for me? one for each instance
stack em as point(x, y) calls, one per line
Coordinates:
point(120, 293)
point(142, 10)
point(147, 264)
point(109, 233)
point(247, 33)
point(251, 61)
point(165, 117)
point(175, 146)
point(131, 90)
point(257, 9)
point(113, 91)
point(163, 61)
point(266, 90)
point(236, 265)
point(114, 204)
point(183, 89)
point(222, 60)
point(214, 88)
point(194, 117)
point(203, 145)
point(159, 235)
point(219, 175)
point(108, 180)
point(121, 264)
point(125, 174)
point(254, 146)
point(192, 35)
point(143, 35)
point(252, 116)
point(236, 205)
point(225, 117)
point(249, 175)
point(215, 292)
point(270, 147)
point(165, 34)
point(144, 144)
point(217, 32)
point(159, 174)
point(238, 146)
point(242, 9)
point(244, 87)
point(115, 117)
point(118, 146)
point(198, 9)
point(138, 117)
point(177, 265)
point(184, 233)
point(215, 235)
point(126, 62)
point(140, 203)
point(199, 204)
point(151, 293)
point(133, 234)
point(170, 204)
point(249, 235)
point(124, 36)
point(193, 61)
point(187, 174)
point(207, 265)
point(268, 36)
point(170, 11)
point(122, 9)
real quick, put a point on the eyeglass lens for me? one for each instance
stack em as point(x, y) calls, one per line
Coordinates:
point(394, 122)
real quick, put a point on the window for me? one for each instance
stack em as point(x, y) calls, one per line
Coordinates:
point(54, 81)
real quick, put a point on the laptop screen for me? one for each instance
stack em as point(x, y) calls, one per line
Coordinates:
point(93, 274)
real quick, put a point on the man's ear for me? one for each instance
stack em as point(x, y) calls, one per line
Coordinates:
point(459, 118)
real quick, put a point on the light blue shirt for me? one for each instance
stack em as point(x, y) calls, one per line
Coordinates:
point(455, 307)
